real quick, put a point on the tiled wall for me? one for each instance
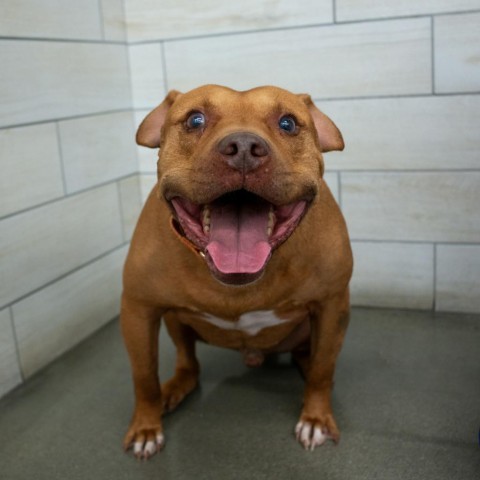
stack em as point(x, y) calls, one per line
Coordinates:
point(69, 186)
point(401, 79)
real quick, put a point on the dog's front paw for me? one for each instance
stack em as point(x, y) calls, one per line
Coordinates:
point(144, 437)
point(312, 432)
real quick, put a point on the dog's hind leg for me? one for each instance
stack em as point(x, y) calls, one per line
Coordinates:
point(187, 368)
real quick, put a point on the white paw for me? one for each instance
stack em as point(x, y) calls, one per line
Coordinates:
point(146, 449)
point(310, 436)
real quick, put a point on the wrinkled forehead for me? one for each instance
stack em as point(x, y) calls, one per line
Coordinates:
point(260, 102)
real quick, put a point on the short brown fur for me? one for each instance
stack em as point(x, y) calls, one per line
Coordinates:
point(305, 281)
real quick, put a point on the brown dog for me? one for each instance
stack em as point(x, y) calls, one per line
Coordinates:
point(240, 245)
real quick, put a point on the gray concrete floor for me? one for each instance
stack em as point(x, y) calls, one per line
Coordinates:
point(407, 400)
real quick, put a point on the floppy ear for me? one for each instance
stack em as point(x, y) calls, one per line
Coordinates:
point(148, 133)
point(329, 135)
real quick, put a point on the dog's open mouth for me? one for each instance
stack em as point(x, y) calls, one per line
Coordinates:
point(237, 232)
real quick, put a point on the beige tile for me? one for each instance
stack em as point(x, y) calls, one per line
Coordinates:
point(437, 207)
point(40, 245)
point(147, 182)
point(458, 278)
point(151, 20)
point(407, 133)
point(31, 168)
point(51, 19)
point(146, 75)
point(457, 53)
point(370, 58)
point(113, 14)
point(361, 9)
point(61, 315)
point(147, 157)
point(396, 275)
point(131, 202)
point(331, 179)
point(97, 149)
point(10, 375)
point(70, 79)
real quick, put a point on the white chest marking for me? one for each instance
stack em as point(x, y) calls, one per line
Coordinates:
point(250, 323)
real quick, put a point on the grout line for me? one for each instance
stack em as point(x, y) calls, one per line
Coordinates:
point(334, 11)
point(101, 18)
point(462, 12)
point(62, 165)
point(405, 17)
point(164, 66)
point(132, 101)
point(415, 242)
point(61, 277)
point(432, 47)
point(68, 195)
point(61, 119)
point(389, 96)
point(130, 79)
point(290, 27)
point(15, 339)
point(232, 33)
point(120, 207)
point(434, 305)
point(64, 40)
point(240, 32)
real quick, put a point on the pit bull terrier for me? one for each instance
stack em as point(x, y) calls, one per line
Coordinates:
point(240, 245)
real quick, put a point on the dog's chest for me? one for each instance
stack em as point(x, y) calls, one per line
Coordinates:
point(250, 323)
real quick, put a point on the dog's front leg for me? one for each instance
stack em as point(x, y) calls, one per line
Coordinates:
point(329, 322)
point(140, 329)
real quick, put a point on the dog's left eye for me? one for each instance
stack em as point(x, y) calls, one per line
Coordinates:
point(196, 120)
point(287, 123)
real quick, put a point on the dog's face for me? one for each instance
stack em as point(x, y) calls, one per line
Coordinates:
point(238, 170)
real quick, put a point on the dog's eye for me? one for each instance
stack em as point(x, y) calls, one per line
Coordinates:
point(196, 120)
point(287, 123)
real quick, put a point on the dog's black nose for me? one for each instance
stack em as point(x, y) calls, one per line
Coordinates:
point(244, 151)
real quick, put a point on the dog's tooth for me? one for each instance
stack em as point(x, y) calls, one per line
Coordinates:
point(271, 218)
point(206, 229)
point(206, 216)
point(271, 221)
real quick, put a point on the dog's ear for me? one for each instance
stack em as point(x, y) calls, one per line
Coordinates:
point(148, 133)
point(329, 135)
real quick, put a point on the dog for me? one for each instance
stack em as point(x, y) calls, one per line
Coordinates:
point(239, 245)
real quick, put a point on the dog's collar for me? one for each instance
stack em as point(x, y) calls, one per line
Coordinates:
point(175, 226)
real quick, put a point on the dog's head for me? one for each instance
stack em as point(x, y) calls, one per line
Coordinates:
point(239, 170)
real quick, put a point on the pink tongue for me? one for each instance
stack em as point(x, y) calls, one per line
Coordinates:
point(238, 240)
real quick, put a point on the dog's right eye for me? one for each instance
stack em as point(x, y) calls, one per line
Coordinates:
point(196, 120)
